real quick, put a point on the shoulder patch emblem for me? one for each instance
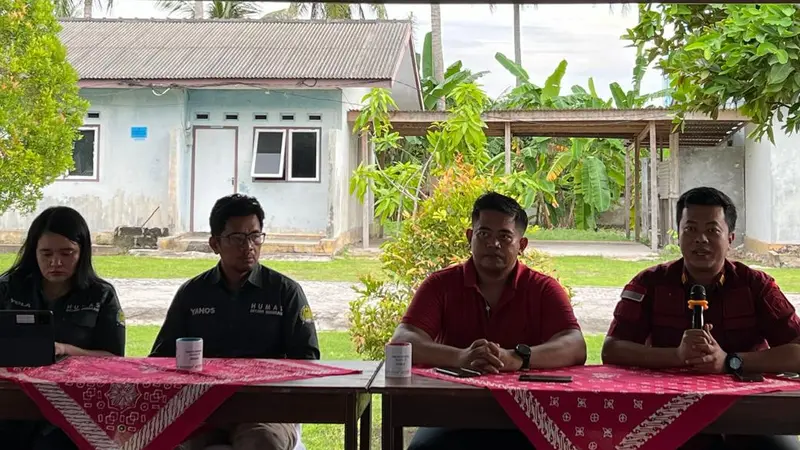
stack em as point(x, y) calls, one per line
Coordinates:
point(633, 292)
point(121, 317)
point(306, 315)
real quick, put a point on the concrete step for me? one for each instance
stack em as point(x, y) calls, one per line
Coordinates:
point(275, 243)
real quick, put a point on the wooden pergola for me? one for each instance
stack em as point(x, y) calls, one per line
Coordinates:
point(653, 126)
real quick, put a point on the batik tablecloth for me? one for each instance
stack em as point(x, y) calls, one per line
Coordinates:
point(137, 404)
point(613, 408)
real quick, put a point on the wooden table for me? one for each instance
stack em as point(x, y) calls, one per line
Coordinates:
point(427, 402)
point(338, 399)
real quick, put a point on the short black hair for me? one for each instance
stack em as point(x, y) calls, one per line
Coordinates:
point(492, 201)
point(64, 221)
point(235, 205)
point(708, 196)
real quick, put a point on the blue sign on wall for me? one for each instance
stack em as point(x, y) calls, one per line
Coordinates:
point(139, 133)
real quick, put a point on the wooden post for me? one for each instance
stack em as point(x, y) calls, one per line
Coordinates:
point(675, 176)
point(508, 147)
point(653, 187)
point(366, 207)
point(628, 192)
point(637, 183)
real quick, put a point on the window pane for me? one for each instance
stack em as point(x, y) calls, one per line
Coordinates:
point(83, 154)
point(268, 153)
point(304, 154)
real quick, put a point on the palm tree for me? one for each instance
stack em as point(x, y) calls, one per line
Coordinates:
point(318, 10)
point(436, 49)
point(215, 9)
point(517, 38)
point(69, 8)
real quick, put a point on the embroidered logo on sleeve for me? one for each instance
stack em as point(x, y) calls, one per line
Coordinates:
point(633, 292)
point(121, 317)
point(306, 315)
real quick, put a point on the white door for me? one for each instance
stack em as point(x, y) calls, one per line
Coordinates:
point(214, 173)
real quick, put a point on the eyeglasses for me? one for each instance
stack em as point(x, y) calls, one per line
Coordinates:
point(242, 239)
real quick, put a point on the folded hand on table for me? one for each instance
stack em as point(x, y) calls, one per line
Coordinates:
point(488, 357)
point(481, 355)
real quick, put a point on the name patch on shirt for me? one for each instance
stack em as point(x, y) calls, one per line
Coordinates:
point(266, 309)
point(94, 307)
point(205, 311)
point(633, 292)
point(19, 303)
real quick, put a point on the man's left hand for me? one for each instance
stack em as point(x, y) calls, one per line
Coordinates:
point(511, 362)
point(713, 359)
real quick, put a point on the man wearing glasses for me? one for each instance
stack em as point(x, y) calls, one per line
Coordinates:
point(241, 309)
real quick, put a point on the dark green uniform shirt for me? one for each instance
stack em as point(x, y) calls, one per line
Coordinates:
point(90, 318)
point(268, 317)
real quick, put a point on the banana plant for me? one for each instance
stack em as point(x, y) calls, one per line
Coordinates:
point(454, 76)
point(593, 171)
point(528, 95)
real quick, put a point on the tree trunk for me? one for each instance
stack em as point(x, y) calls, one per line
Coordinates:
point(87, 9)
point(198, 9)
point(517, 40)
point(436, 44)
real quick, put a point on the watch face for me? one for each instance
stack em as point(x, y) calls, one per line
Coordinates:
point(735, 363)
point(523, 349)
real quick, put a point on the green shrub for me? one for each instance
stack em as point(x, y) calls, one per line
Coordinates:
point(429, 241)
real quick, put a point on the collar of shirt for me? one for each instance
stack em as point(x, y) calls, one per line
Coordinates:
point(471, 274)
point(253, 278)
point(720, 279)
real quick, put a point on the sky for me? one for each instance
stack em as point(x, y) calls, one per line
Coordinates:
point(586, 36)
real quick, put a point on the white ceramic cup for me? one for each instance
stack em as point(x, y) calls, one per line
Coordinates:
point(189, 354)
point(398, 360)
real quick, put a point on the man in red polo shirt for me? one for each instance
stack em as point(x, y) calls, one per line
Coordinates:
point(750, 325)
point(490, 314)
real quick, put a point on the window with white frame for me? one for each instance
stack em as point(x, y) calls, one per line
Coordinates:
point(304, 155)
point(269, 153)
point(85, 153)
point(286, 154)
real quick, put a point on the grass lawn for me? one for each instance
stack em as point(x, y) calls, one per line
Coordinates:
point(578, 271)
point(338, 269)
point(334, 345)
point(570, 234)
point(574, 271)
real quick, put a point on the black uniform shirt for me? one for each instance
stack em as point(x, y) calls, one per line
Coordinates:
point(90, 318)
point(268, 317)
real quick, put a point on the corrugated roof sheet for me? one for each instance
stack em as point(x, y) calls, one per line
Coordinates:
point(124, 49)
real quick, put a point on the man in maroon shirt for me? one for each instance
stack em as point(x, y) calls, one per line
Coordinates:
point(750, 325)
point(490, 314)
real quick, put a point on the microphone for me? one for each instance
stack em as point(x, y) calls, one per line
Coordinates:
point(698, 304)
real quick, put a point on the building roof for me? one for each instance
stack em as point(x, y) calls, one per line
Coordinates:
point(699, 130)
point(155, 49)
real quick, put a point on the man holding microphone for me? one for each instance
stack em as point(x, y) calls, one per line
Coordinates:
point(748, 327)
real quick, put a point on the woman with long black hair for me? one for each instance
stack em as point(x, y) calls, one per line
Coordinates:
point(53, 271)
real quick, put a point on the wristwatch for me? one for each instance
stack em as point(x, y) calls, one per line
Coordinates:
point(524, 352)
point(733, 363)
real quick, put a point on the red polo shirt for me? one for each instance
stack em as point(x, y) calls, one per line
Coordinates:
point(449, 307)
point(748, 310)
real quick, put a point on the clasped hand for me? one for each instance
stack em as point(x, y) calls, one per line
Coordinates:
point(700, 351)
point(487, 357)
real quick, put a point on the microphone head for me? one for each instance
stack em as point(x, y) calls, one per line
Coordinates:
point(698, 292)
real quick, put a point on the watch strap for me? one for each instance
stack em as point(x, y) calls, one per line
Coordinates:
point(526, 359)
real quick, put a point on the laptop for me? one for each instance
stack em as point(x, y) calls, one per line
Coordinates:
point(27, 338)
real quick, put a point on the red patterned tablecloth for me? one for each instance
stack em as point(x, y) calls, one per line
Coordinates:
point(607, 407)
point(135, 404)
